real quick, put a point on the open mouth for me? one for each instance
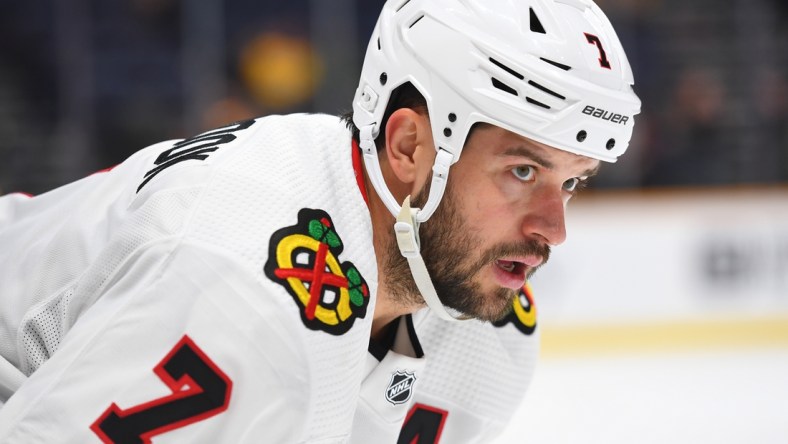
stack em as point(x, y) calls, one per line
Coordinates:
point(510, 274)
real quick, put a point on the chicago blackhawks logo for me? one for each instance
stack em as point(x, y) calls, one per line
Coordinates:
point(304, 259)
point(523, 314)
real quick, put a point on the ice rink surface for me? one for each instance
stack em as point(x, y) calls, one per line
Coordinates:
point(692, 397)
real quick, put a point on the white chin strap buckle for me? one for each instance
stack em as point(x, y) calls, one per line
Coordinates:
point(406, 230)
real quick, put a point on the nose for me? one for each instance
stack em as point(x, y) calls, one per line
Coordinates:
point(544, 217)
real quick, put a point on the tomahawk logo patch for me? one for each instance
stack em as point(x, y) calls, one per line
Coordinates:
point(400, 387)
point(523, 314)
point(304, 259)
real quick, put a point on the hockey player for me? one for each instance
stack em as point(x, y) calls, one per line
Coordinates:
point(287, 279)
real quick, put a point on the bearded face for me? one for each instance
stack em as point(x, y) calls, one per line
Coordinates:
point(503, 208)
point(456, 257)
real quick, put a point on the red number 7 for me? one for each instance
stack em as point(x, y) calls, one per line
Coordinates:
point(594, 40)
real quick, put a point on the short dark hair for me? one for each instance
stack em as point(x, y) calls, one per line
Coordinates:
point(403, 96)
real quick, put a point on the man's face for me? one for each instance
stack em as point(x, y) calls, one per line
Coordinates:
point(502, 210)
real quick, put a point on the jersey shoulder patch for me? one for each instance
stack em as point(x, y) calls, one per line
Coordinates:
point(304, 259)
point(523, 314)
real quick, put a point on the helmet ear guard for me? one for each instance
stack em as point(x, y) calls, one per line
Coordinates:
point(552, 71)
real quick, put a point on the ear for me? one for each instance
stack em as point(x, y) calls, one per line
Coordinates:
point(410, 150)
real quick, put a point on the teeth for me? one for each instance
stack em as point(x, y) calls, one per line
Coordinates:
point(508, 266)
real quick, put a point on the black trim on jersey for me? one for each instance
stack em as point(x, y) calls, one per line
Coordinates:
point(378, 349)
point(414, 339)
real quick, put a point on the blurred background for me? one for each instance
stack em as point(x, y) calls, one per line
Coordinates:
point(85, 83)
point(664, 317)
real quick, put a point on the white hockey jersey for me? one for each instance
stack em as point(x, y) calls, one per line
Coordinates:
point(221, 289)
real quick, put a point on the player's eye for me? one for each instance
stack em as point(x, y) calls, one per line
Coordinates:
point(574, 184)
point(571, 184)
point(524, 172)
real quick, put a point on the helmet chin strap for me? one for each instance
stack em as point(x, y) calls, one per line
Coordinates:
point(406, 229)
point(408, 219)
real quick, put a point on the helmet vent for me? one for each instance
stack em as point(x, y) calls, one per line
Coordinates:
point(537, 103)
point(536, 24)
point(416, 21)
point(503, 87)
point(402, 5)
point(559, 65)
point(507, 69)
point(548, 91)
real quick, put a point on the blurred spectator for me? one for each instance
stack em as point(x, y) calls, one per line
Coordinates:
point(27, 92)
point(232, 108)
point(694, 147)
point(280, 71)
point(771, 132)
point(130, 73)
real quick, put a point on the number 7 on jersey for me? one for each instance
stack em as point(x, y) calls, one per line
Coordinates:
point(199, 388)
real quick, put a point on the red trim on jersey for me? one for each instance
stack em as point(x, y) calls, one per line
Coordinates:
point(106, 170)
point(357, 168)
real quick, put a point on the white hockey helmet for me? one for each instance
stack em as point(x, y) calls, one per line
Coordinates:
point(553, 71)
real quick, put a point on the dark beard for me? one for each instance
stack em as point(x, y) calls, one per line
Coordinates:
point(446, 244)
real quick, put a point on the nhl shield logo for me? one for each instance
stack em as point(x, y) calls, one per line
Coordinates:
point(400, 387)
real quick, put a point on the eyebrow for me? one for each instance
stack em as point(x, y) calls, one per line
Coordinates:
point(523, 151)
